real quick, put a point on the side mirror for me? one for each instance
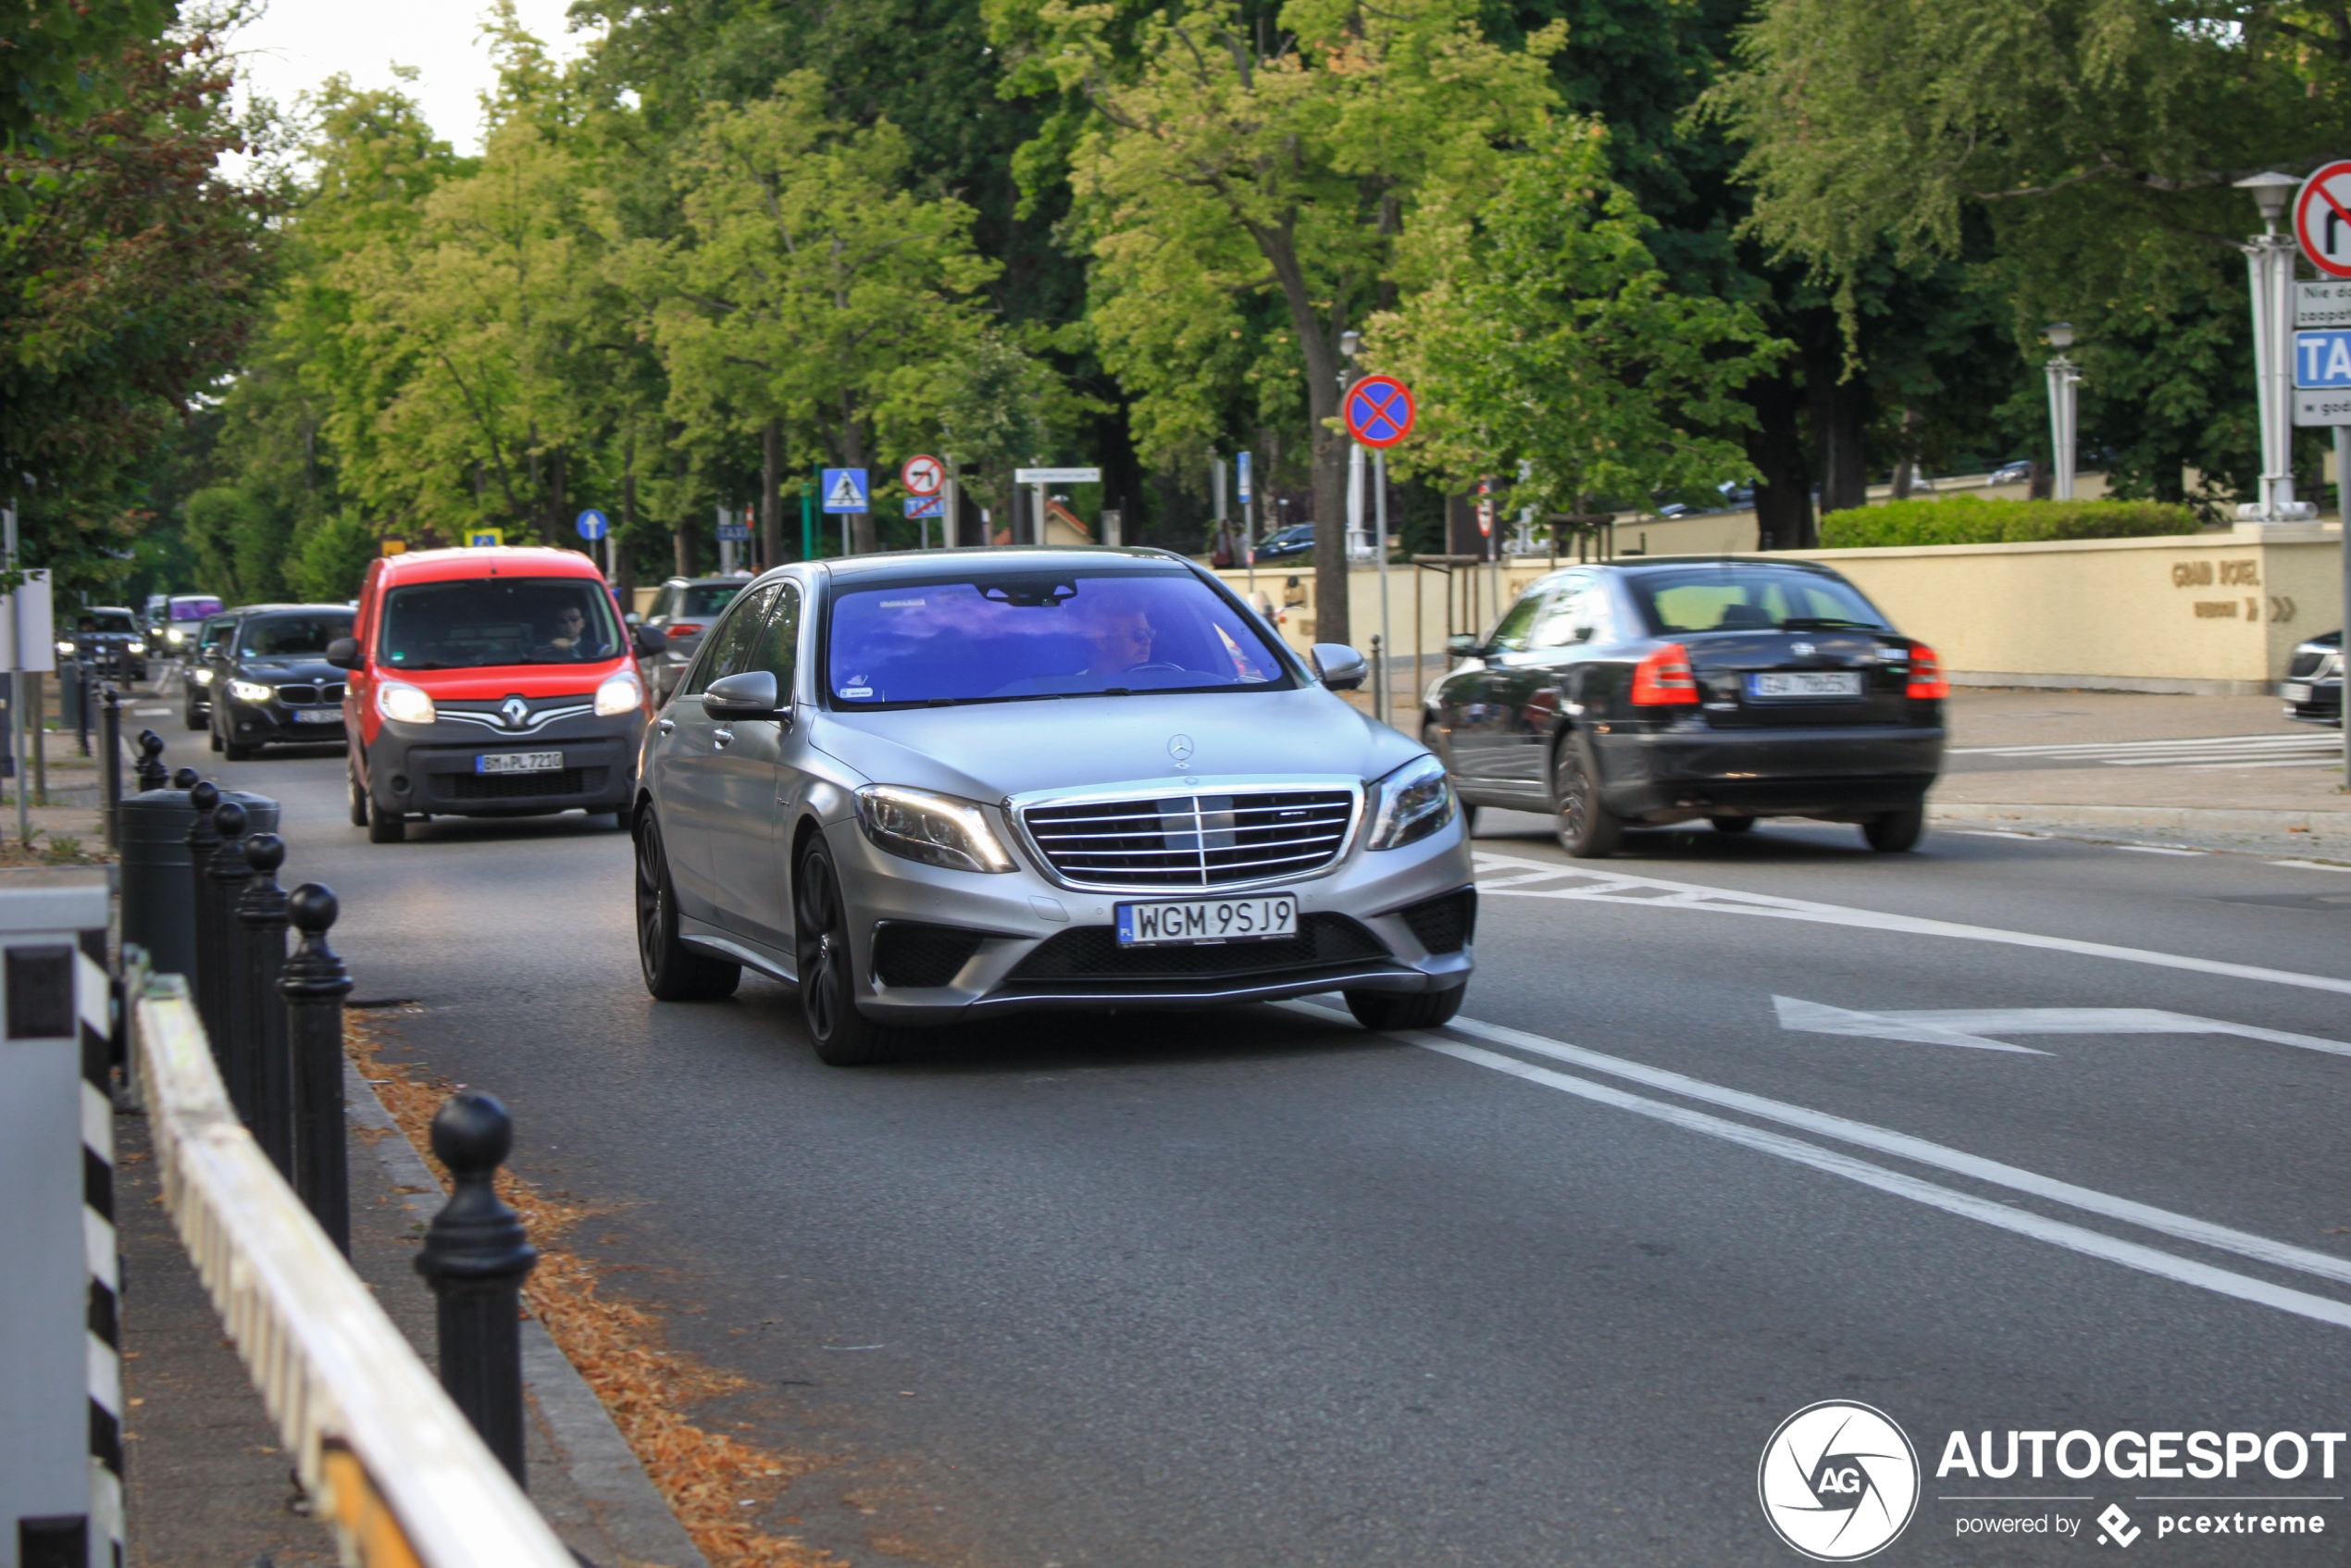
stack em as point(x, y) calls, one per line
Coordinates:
point(343, 653)
point(1340, 667)
point(1462, 645)
point(652, 640)
point(751, 694)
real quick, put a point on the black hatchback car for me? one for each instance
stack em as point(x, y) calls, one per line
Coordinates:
point(1721, 689)
point(2313, 686)
point(271, 681)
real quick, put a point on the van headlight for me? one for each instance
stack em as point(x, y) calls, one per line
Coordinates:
point(404, 704)
point(934, 830)
point(621, 694)
point(135, 647)
point(1410, 804)
point(177, 634)
point(251, 691)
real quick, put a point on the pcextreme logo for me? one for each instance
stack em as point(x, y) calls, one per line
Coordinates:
point(1839, 1481)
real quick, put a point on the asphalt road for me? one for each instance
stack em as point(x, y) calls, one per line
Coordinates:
point(1259, 1287)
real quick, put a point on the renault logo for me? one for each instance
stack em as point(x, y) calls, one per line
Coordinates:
point(517, 712)
point(1180, 748)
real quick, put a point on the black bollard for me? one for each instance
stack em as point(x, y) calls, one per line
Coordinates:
point(82, 705)
point(185, 779)
point(110, 735)
point(261, 913)
point(204, 799)
point(314, 986)
point(475, 1257)
point(226, 876)
point(152, 774)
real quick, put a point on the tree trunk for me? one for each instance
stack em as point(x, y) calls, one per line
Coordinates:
point(1838, 409)
point(558, 495)
point(1906, 472)
point(2043, 484)
point(1317, 345)
point(684, 547)
point(853, 453)
point(771, 494)
point(1784, 481)
point(624, 559)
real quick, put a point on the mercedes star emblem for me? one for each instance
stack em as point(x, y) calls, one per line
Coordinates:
point(1180, 748)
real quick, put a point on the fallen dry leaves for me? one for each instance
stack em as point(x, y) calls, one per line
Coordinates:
point(705, 1475)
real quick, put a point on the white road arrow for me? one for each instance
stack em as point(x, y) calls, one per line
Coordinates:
point(1971, 1028)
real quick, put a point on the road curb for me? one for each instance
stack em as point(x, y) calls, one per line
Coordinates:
point(629, 1511)
point(2212, 819)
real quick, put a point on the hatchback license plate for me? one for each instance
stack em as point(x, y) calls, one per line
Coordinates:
point(1201, 922)
point(1805, 683)
point(518, 762)
point(2297, 691)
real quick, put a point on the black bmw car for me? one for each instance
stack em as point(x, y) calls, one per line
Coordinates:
point(271, 682)
point(2313, 688)
point(1677, 689)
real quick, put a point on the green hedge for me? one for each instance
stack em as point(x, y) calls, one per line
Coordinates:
point(1966, 519)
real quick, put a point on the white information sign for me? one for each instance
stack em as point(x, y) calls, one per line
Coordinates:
point(1057, 476)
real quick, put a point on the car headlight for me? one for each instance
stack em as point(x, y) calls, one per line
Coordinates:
point(407, 705)
point(134, 647)
point(251, 690)
point(1411, 803)
point(65, 647)
point(621, 694)
point(934, 830)
point(201, 677)
point(175, 635)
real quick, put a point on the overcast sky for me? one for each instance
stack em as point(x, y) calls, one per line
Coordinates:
point(296, 44)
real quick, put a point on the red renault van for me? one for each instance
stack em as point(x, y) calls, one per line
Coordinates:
point(488, 683)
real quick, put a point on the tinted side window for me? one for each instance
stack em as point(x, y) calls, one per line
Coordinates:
point(726, 646)
point(1564, 613)
point(777, 646)
point(1510, 635)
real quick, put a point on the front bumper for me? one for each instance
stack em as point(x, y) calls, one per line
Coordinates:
point(2323, 705)
point(934, 946)
point(1833, 771)
point(430, 768)
point(272, 724)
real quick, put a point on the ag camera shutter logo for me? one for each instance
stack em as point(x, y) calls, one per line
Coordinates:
point(1839, 1481)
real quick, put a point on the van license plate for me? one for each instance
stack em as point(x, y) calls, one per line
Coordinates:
point(518, 762)
point(1204, 922)
point(2297, 691)
point(1805, 683)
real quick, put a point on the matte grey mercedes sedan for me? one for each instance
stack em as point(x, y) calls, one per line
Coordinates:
point(937, 786)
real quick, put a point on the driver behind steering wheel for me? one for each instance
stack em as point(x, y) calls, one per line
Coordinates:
point(1121, 633)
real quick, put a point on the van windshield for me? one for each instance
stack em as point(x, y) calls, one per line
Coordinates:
point(185, 609)
point(475, 623)
point(981, 636)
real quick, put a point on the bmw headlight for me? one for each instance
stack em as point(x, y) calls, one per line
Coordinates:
point(251, 690)
point(621, 694)
point(934, 830)
point(407, 704)
point(1410, 804)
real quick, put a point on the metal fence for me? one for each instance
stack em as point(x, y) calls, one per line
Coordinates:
point(384, 1453)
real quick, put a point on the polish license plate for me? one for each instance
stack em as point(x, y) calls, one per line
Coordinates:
point(317, 715)
point(1805, 683)
point(518, 762)
point(1204, 922)
point(2297, 691)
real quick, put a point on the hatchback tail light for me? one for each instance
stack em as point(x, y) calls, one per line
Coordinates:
point(1926, 673)
point(1665, 678)
point(683, 629)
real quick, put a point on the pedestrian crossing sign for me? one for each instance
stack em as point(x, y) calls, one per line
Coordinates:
point(485, 538)
point(845, 490)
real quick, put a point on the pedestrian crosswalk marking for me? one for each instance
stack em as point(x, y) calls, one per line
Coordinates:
point(2205, 753)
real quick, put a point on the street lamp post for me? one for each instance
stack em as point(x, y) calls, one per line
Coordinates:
point(2064, 407)
point(1351, 343)
point(2268, 258)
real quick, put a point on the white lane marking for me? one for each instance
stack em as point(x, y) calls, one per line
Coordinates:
point(151, 713)
point(2307, 864)
point(2155, 849)
point(1611, 887)
point(1988, 833)
point(2128, 752)
point(2059, 1233)
point(1972, 1026)
point(2204, 1233)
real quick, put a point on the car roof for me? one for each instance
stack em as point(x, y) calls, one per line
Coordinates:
point(1655, 562)
point(1067, 557)
point(271, 609)
point(505, 560)
point(713, 580)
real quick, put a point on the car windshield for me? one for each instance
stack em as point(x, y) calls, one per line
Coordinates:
point(110, 623)
point(1740, 597)
point(193, 609)
point(1009, 636)
point(280, 637)
point(704, 600)
point(473, 623)
point(210, 637)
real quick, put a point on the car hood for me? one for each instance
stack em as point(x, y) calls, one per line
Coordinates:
point(277, 670)
point(991, 751)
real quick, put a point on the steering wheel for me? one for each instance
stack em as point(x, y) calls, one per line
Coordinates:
point(1156, 665)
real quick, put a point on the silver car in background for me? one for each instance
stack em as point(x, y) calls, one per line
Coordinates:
point(940, 785)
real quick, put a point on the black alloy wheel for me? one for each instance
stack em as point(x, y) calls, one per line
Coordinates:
point(1384, 1012)
point(385, 827)
point(1586, 828)
point(842, 1036)
point(1896, 830)
point(357, 797)
point(191, 716)
point(674, 972)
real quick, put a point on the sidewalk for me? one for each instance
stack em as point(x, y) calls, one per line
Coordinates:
point(207, 1485)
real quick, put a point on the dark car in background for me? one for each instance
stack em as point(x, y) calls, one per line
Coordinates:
point(108, 637)
point(1287, 544)
point(1679, 690)
point(682, 610)
point(174, 625)
point(271, 682)
point(2313, 686)
point(206, 650)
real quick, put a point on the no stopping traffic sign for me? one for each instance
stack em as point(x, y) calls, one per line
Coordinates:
point(1379, 411)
